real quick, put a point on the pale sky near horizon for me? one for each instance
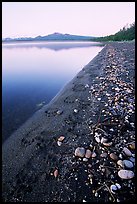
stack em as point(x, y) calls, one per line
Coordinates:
point(30, 19)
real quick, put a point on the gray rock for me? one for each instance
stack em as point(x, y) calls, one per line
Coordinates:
point(128, 164)
point(126, 174)
point(80, 152)
point(113, 156)
point(127, 152)
point(88, 153)
point(120, 163)
point(103, 155)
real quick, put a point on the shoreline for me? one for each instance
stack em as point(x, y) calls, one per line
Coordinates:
point(32, 153)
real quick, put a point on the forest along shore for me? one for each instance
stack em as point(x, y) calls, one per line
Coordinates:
point(81, 146)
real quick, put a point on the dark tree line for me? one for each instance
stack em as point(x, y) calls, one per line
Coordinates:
point(123, 34)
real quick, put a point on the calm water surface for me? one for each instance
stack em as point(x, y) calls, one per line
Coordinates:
point(33, 73)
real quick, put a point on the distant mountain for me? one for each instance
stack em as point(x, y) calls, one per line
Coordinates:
point(52, 37)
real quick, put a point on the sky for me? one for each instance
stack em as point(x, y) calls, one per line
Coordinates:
point(30, 19)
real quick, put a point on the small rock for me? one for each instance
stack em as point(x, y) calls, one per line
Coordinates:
point(104, 155)
point(113, 156)
point(113, 188)
point(88, 153)
point(103, 140)
point(107, 144)
point(56, 173)
point(59, 143)
point(120, 163)
point(128, 164)
point(127, 152)
point(118, 185)
point(93, 155)
point(61, 138)
point(59, 112)
point(75, 111)
point(132, 146)
point(99, 99)
point(80, 152)
point(85, 159)
point(126, 174)
point(97, 139)
point(120, 156)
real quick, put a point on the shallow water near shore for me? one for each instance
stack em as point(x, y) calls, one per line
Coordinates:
point(33, 73)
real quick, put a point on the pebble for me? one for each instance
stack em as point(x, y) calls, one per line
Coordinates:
point(59, 143)
point(103, 140)
point(118, 185)
point(127, 152)
point(97, 139)
point(93, 155)
point(75, 111)
point(103, 155)
point(80, 152)
point(120, 163)
point(128, 164)
point(107, 144)
point(113, 156)
point(126, 174)
point(59, 112)
point(85, 159)
point(56, 173)
point(88, 153)
point(132, 146)
point(61, 138)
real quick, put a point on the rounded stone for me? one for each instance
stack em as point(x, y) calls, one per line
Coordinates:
point(104, 155)
point(56, 173)
point(61, 138)
point(80, 152)
point(126, 174)
point(128, 164)
point(85, 159)
point(88, 153)
point(127, 152)
point(113, 156)
point(132, 146)
point(118, 185)
point(107, 144)
point(93, 155)
point(120, 163)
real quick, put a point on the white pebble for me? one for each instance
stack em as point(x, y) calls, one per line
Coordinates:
point(126, 174)
point(97, 139)
point(127, 152)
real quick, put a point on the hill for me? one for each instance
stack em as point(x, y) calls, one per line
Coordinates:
point(124, 34)
point(52, 37)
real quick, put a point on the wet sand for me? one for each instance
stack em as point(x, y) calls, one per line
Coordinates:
point(31, 155)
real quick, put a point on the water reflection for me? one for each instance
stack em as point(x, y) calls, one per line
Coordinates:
point(34, 73)
point(56, 46)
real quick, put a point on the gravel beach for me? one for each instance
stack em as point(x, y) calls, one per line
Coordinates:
point(81, 146)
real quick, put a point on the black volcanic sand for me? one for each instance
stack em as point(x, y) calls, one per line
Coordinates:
point(99, 102)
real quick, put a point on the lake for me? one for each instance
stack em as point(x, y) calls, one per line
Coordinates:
point(33, 73)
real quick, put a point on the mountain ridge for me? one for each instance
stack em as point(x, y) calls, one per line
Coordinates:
point(56, 36)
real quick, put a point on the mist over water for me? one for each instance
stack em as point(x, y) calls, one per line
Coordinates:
point(33, 73)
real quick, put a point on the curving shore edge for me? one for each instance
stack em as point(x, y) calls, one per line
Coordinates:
point(38, 167)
